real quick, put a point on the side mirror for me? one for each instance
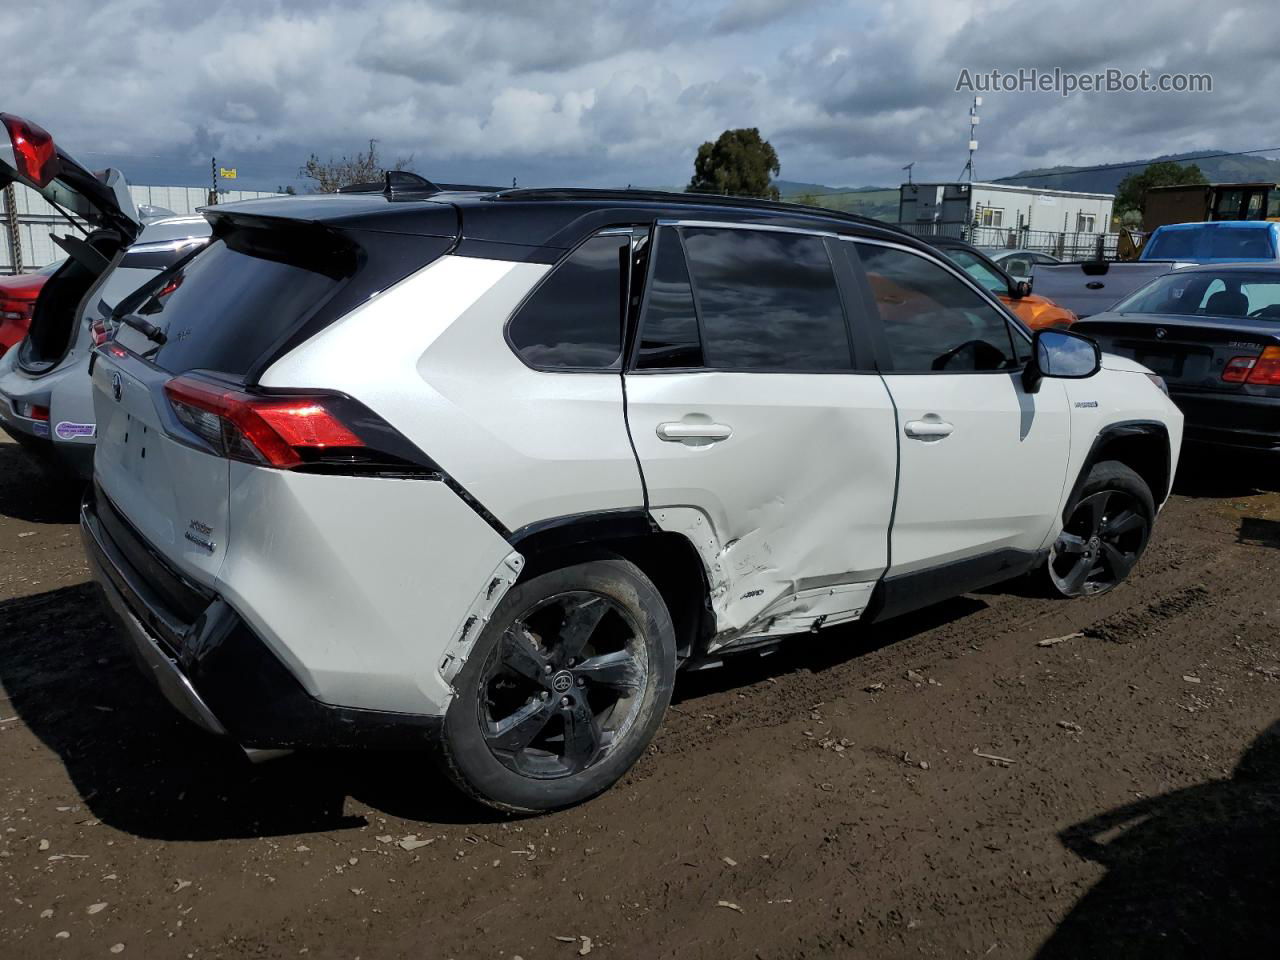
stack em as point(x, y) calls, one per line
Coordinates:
point(1061, 354)
point(1021, 288)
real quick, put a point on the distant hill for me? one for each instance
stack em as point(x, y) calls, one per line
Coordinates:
point(879, 203)
point(1216, 170)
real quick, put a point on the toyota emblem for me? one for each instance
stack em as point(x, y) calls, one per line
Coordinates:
point(1160, 333)
point(562, 681)
point(117, 386)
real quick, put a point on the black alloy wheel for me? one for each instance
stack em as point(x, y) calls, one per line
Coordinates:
point(563, 685)
point(1101, 542)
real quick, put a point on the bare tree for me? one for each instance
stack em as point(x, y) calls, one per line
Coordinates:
point(331, 174)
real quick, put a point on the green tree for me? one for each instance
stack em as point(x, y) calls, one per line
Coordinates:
point(739, 164)
point(331, 174)
point(1131, 195)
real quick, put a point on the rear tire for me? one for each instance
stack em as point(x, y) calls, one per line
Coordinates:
point(1107, 530)
point(564, 689)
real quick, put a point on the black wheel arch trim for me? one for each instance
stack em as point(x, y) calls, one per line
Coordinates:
point(1118, 431)
point(578, 529)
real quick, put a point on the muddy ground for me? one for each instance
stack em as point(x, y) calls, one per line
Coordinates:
point(830, 800)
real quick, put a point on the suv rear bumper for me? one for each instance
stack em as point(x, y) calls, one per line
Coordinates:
point(33, 436)
point(212, 667)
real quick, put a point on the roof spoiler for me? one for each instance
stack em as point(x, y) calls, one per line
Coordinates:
point(395, 185)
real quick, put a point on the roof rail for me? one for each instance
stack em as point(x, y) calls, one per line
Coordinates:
point(697, 199)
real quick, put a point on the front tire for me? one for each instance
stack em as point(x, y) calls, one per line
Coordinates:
point(1107, 529)
point(564, 689)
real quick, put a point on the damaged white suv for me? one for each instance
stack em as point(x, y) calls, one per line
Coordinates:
point(485, 469)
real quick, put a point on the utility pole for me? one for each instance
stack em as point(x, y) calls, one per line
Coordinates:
point(213, 181)
point(908, 169)
point(973, 134)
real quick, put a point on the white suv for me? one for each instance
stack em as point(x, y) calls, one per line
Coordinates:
point(486, 468)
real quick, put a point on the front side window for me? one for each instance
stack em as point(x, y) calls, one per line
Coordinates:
point(766, 300)
point(933, 322)
point(574, 320)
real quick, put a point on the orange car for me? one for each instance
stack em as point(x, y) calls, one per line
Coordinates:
point(1032, 309)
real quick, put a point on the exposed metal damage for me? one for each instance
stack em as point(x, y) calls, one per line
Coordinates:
point(750, 597)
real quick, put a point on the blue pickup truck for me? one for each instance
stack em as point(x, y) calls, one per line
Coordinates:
point(1221, 241)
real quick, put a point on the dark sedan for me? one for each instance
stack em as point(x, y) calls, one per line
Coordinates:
point(1213, 333)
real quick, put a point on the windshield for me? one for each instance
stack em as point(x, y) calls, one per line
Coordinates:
point(989, 278)
point(1225, 293)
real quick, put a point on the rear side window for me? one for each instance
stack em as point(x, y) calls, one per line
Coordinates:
point(669, 326)
point(932, 321)
point(224, 309)
point(766, 300)
point(574, 320)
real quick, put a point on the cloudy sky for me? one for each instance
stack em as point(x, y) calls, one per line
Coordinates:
point(610, 93)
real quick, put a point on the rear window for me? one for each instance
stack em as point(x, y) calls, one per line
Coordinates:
point(1172, 245)
point(573, 321)
point(233, 301)
point(1240, 244)
point(136, 267)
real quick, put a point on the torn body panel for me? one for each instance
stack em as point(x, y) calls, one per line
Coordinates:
point(503, 578)
point(750, 598)
point(794, 495)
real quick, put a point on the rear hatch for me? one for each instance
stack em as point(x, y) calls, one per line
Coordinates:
point(174, 389)
point(29, 156)
point(1093, 287)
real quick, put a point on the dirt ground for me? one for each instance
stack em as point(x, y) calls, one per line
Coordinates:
point(830, 800)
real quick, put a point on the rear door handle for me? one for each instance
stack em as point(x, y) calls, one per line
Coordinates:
point(928, 429)
point(678, 430)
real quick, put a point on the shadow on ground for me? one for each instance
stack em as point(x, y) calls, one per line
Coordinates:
point(830, 648)
point(1216, 474)
point(34, 491)
point(141, 768)
point(1194, 873)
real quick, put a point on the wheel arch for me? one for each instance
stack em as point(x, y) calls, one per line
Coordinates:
point(1141, 445)
point(668, 559)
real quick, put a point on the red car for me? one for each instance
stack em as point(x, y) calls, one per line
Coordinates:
point(17, 300)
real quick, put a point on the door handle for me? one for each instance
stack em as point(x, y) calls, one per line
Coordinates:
point(678, 430)
point(928, 429)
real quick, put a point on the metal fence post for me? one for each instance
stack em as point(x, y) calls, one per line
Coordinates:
point(11, 225)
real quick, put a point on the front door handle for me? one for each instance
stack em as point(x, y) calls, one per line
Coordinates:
point(928, 429)
point(680, 430)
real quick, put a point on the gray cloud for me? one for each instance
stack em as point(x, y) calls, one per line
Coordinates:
point(618, 92)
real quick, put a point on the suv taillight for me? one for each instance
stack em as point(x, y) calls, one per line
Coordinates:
point(33, 150)
point(317, 431)
point(1263, 370)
